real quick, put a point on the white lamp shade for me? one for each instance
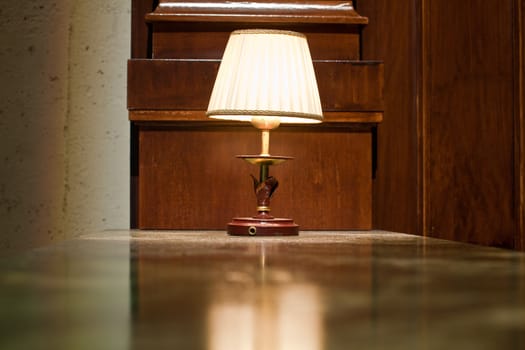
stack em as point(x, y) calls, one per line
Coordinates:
point(266, 73)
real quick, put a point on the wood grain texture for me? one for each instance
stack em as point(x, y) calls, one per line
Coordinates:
point(207, 41)
point(390, 37)
point(519, 122)
point(450, 149)
point(170, 84)
point(140, 32)
point(190, 179)
point(471, 122)
point(187, 84)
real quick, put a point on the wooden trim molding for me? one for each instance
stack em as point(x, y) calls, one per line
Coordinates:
point(519, 92)
point(161, 116)
point(421, 39)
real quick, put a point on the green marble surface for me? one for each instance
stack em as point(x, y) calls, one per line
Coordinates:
point(206, 290)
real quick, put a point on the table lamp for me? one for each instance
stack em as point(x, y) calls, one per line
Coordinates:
point(266, 77)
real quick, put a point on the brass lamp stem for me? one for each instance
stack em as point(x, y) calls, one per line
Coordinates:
point(265, 142)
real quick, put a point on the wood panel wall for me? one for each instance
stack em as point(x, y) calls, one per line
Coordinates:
point(184, 174)
point(450, 149)
point(391, 36)
point(470, 121)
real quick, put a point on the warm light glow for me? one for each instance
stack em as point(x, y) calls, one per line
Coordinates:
point(287, 317)
point(266, 75)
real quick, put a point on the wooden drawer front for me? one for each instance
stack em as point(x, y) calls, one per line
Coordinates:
point(181, 42)
point(187, 84)
point(190, 179)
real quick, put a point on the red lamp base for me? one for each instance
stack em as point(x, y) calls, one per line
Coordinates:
point(262, 227)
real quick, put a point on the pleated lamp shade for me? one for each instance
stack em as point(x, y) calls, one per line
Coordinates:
point(266, 74)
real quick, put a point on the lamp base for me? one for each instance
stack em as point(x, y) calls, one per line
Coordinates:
point(262, 227)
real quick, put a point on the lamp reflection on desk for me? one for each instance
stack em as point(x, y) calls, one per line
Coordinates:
point(291, 321)
point(266, 77)
point(279, 314)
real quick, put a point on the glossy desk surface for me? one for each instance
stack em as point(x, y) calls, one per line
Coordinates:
point(206, 290)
